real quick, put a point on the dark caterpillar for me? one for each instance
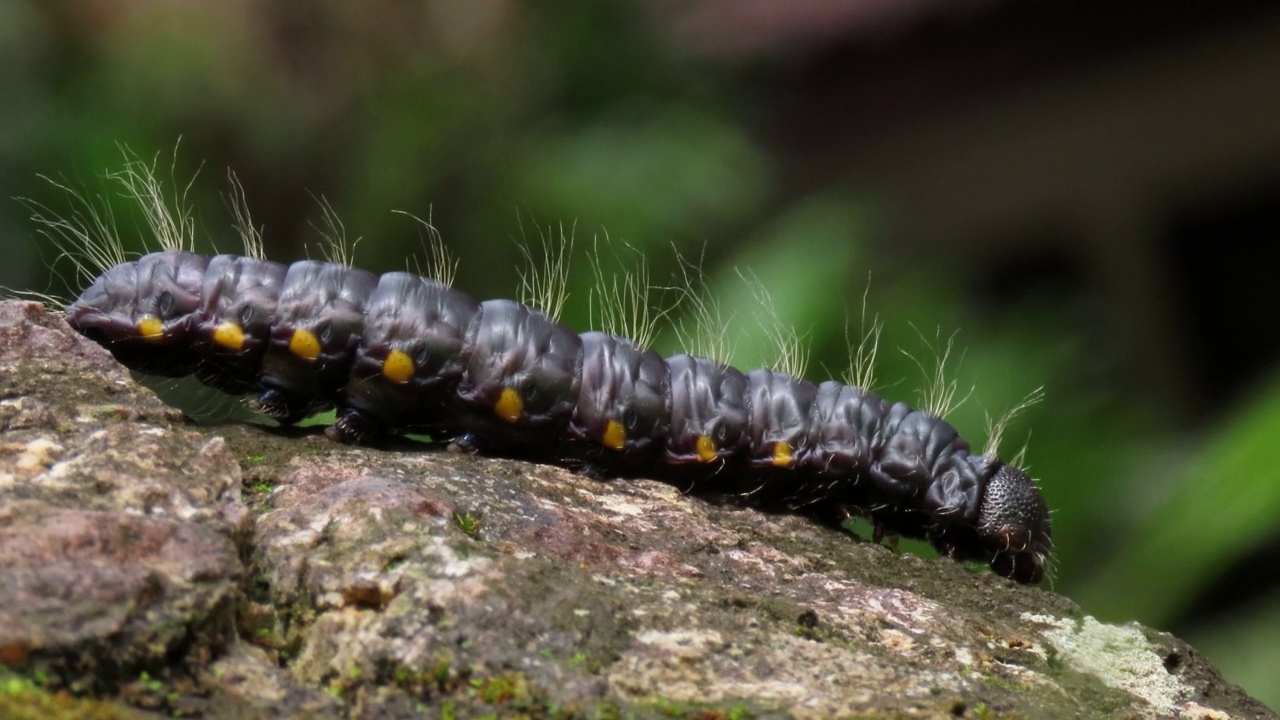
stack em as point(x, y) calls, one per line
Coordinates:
point(399, 352)
point(403, 353)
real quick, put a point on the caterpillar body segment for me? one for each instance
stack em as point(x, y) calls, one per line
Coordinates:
point(623, 412)
point(318, 324)
point(409, 361)
point(399, 352)
point(844, 433)
point(520, 382)
point(778, 407)
point(709, 415)
point(238, 302)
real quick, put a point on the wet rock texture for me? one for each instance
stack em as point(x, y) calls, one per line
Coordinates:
point(151, 566)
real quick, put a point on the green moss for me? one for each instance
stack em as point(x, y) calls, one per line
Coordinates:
point(435, 679)
point(670, 708)
point(464, 692)
point(26, 699)
point(983, 711)
point(468, 522)
point(1000, 683)
point(508, 687)
point(1037, 700)
point(607, 711)
point(666, 707)
point(150, 684)
point(441, 673)
point(107, 413)
point(261, 487)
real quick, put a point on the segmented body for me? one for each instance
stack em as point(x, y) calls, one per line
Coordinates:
point(398, 352)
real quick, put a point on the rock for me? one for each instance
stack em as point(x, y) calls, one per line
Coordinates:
point(118, 528)
point(241, 571)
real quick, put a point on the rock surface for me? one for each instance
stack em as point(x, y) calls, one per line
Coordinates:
point(151, 566)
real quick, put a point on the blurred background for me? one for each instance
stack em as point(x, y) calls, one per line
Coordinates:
point(1086, 196)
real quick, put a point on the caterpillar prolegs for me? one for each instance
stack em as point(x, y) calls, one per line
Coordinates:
point(401, 352)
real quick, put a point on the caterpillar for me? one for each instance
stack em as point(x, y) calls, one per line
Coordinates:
point(400, 352)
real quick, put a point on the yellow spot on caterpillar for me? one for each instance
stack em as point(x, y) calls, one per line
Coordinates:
point(706, 449)
point(398, 367)
point(509, 406)
point(615, 436)
point(151, 327)
point(229, 335)
point(305, 345)
point(782, 454)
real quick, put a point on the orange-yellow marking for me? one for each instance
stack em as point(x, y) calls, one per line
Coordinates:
point(398, 367)
point(509, 406)
point(229, 335)
point(615, 436)
point(706, 449)
point(304, 345)
point(150, 327)
point(782, 454)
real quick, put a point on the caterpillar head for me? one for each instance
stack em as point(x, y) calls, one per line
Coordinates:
point(1013, 523)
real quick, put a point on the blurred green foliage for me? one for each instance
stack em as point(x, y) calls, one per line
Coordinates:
point(506, 123)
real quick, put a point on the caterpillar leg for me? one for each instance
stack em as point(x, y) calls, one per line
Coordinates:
point(835, 515)
point(467, 444)
point(593, 471)
point(285, 408)
point(881, 533)
point(353, 427)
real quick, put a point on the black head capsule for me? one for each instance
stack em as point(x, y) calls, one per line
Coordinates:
point(142, 312)
point(1013, 525)
point(1009, 528)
